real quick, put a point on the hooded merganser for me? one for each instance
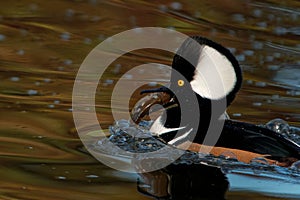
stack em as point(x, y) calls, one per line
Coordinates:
point(213, 76)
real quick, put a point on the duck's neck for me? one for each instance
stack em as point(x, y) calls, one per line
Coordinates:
point(199, 122)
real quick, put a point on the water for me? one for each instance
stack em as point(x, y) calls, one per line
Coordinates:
point(42, 45)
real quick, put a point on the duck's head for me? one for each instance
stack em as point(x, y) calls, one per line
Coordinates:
point(201, 70)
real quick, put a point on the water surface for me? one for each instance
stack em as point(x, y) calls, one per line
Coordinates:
point(43, 43)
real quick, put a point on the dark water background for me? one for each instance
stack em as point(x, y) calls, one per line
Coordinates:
point(43, 43)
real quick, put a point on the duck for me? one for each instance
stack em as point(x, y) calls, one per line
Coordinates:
point(205, 80)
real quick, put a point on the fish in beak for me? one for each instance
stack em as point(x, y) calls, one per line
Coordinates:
point(160, 96)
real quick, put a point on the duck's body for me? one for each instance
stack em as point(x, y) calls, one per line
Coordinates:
point(197, 100)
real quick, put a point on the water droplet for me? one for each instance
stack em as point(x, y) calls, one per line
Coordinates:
point(197, 14)
point(241, 57)
point(87, 41)
point(61, 177)
point(176, 5)
point(33, 7)
point(259, 160)
point(152, 84)
point(294, 30)
point(236, 114)
point(21, 52)
point(163, 8)
point(51, 106)
point(122, 123)
point(32, 92)
point(273, 67)
point(14, 78)
point(93, 2)
point(69, 13)
point(232, 50)
point(68, 62)
point(278, 125)
point(296, 165)
point(95, 18)
point(257, 104)
point(127, 76)
point(229, 155)
point(262, 24)
point(280, 30)
point(277, 55)
point(47, 80)
point(260, 84)
point(257, 13)
point(91, 176)
point(109, 81)
point(249, 82)
point(2, 37)
point(65, 36)
point(257, 45)
point(249, 52)
point(275, 96)
point(238, 18)
point(269, 58)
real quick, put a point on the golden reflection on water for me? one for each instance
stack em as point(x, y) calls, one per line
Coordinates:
point(43, 43)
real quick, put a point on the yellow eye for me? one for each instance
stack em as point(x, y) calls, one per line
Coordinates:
point(180, 83)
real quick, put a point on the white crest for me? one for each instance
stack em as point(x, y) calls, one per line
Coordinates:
point(214, 75)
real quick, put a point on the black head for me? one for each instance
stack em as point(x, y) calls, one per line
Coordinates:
point(211, 70)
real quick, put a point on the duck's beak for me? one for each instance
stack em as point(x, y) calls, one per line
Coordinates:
point(162, 96)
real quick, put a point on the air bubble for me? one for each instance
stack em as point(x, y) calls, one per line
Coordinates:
point(278, 125)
